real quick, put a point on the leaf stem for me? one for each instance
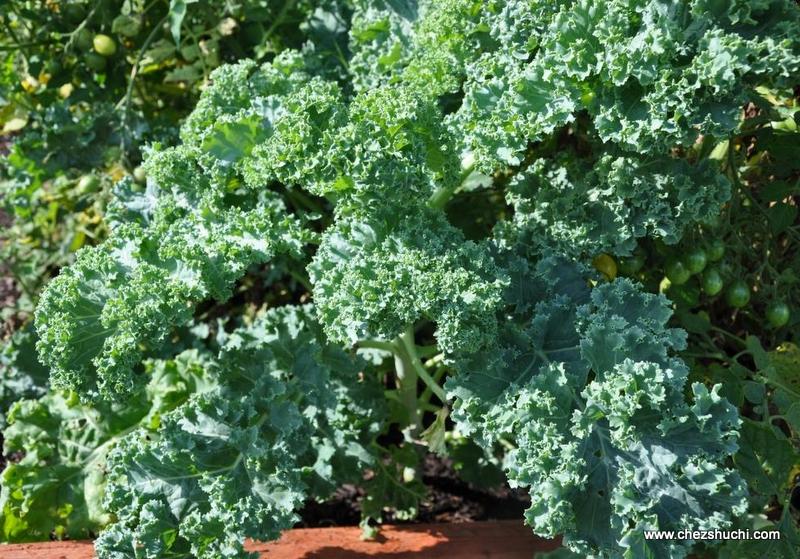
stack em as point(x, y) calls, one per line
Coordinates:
point(776, 384)
point(442, 195)
point(437, 377)
point(377, 344)
point(408, 340)
point(728, 334)
point(125, 102)
point(406, 384)
point(409, 369)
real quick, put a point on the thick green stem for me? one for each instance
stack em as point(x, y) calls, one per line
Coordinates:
point(408, 341)
point(437, 378)
point(439, 199)
point(302, 280)
point(427, 351)
point(406, 385)
point(377, 344)
point(278, 20)
point(409, 369)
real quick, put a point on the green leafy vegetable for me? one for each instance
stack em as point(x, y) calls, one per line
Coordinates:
point(569, 129)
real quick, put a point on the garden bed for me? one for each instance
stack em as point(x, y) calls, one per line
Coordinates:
point(484, 540)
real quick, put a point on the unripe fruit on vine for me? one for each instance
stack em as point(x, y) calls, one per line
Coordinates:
point(104, 45)
point(778, 314)
point(139, 175)
point(629, 265)
point(88, 184)
point(716, 250)
point(696, 261)
point(738, 294)
point(712, 282)
point(74, 13)
point(95, 62)
point(677, 272)
point(83, 39)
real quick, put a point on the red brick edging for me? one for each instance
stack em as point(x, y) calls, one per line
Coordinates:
point(478, 540)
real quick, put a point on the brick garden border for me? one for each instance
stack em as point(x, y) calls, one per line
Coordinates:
point(477, 540)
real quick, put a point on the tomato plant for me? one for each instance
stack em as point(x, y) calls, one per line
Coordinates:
point(85, 85)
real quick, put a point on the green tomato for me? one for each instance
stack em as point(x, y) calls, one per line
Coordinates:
point(73, 12)
point(716, 250)
point(95, 61)
point(631, 264)
point(696, 261)
point(677, 272)
point(738, 294)
point(139, 175)
point(778, 314)
point(712, 282)
point(53, 67)
point(88, 184)
point(83, 39)
point(104, 45)
point(660, 248)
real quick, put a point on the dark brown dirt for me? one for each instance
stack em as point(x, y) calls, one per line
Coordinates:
point(449, 499)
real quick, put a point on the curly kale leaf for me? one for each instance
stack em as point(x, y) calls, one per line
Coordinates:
point(651, 75)
point(288, 419)
point(375, 278)
point(122, 298)
point(388, 145)
point(58, 484)
point(582, 382)
point(21, 374)
point(590, 206)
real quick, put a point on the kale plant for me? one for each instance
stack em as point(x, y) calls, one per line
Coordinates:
point(438, 188)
